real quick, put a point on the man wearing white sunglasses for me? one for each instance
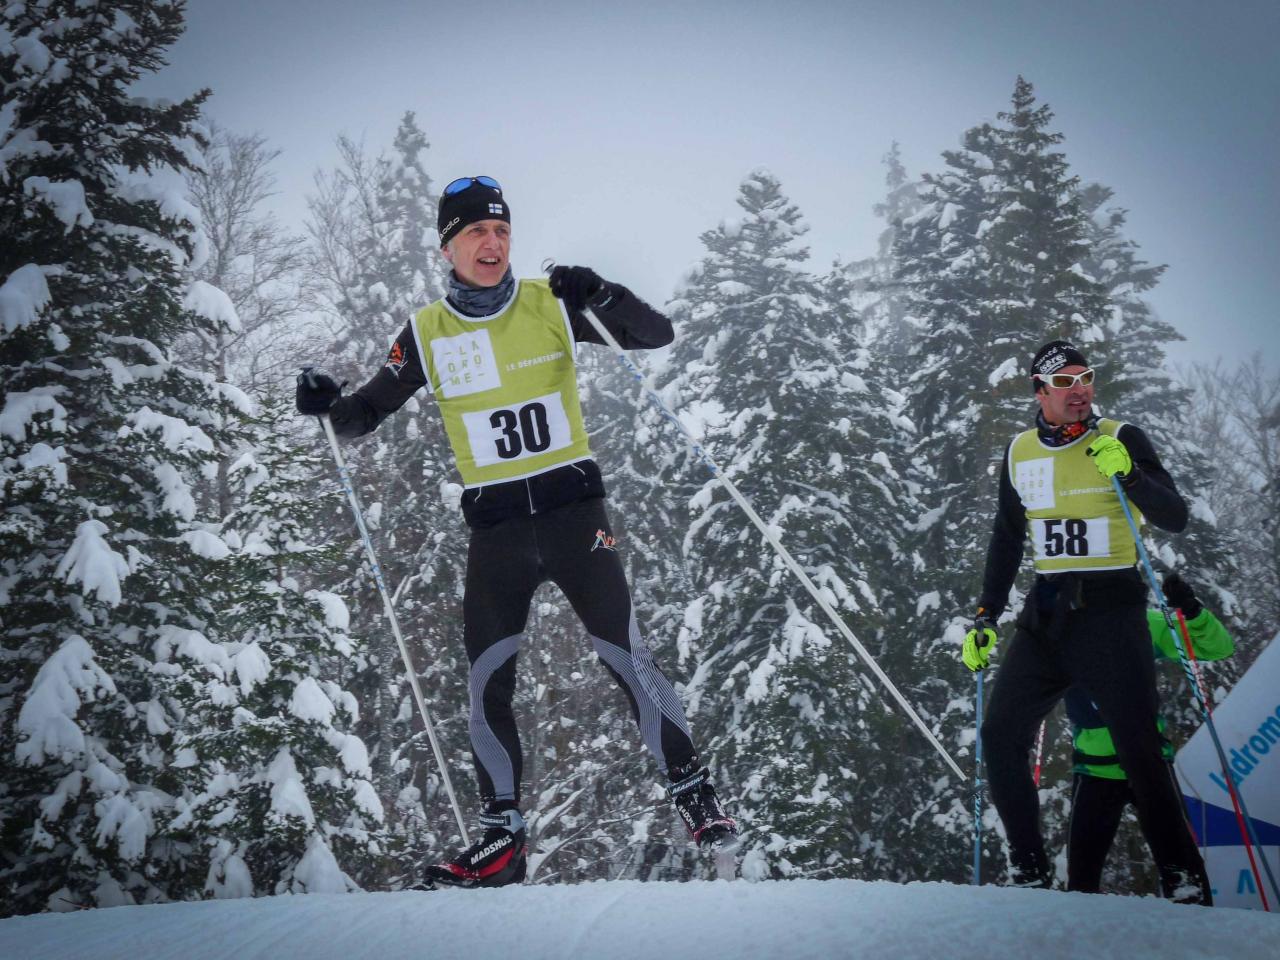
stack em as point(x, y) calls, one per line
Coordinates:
point(1084, 621)
point(498, 355)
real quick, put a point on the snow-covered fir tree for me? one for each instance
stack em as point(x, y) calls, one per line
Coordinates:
point(874, 287)
point(102, 436)
point(769, 376)
point(1256, 527)
point(275, 792)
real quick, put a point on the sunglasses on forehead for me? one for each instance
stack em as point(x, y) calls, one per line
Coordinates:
point(1065, 381)
point(466, 183)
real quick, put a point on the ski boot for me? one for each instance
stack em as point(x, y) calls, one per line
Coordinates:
point(1030, 871)
point(495, 860)
point(699, 807)
point(1181, 885)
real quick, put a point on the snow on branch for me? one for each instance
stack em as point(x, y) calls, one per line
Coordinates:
point(92, 563)
point(65, 198)
point(118, 817)
point(211, 303)
point(21, 407)
point(205, 544)
point(41, 456)
point(1006, 371)
point(318, 871)
point(47, 727)
point(336, 614)
point(22, 296)
point(194, 645)
point(310, 703)
point(176, 435)
point(252, 666)
point(178, 499)
point(288, 795)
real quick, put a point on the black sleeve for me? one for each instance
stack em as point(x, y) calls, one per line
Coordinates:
point(1149, 485)
point(633, 323)
point(391, 387)
point(1004, 551)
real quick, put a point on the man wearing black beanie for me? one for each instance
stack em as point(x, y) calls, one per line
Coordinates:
point(1084, 621)
point(498, 355)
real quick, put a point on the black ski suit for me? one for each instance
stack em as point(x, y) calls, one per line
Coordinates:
point(551, 526)
point(1087, 629)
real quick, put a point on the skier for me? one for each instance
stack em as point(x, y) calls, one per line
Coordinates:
point(1100, 791)
point(1084, 621)
point(498, 355)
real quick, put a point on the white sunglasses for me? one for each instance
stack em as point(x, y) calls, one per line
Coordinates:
point(1065, 381)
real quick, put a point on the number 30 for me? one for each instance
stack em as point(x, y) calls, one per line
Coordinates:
point(527, 430)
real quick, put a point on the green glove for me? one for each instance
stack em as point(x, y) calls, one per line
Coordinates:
point(1110, 456)
point(979, 643)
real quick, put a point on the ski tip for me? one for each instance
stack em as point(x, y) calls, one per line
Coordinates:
point(728, 844)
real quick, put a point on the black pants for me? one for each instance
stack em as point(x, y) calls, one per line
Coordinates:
point(506, 563)
point(1107, 651)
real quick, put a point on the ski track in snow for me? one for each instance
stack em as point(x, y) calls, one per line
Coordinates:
point(619, 920)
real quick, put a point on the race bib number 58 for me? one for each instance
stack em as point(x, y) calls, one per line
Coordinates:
point(1057, 538)
point(506, 434)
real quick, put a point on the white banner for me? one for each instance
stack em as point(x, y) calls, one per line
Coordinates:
point(1248, 725)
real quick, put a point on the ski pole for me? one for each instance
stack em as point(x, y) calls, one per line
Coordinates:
point(1247, 832)
point(977, 787)
point(698, 451)
point(1035, 775)
point(1191, 654)
point(409, 670)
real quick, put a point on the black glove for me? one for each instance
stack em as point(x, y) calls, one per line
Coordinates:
point(317, 391)
point(1180, 594)
point(579, 287)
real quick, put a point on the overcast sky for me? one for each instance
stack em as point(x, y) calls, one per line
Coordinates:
point(621, 131)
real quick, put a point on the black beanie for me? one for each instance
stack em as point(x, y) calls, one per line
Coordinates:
point(476, 202)
point(1053, 356)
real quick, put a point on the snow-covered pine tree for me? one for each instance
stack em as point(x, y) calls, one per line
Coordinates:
point(267, 787)
point(992, 267)
point(769, 376)
point(1255, 526)
point(375, 256)
point(875, 293)
point(102, 436)
point(275, 789)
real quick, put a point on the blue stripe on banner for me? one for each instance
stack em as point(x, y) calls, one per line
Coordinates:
point(1222, 827)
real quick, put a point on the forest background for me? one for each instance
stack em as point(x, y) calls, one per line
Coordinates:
point(199, 695)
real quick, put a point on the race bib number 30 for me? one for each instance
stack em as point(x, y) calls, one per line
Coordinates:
point(505, 434)
point(1065, 539)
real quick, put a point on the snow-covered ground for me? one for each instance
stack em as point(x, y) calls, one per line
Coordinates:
point(655, 921)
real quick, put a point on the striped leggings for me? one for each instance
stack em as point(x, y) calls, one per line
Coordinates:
point(505, 565)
